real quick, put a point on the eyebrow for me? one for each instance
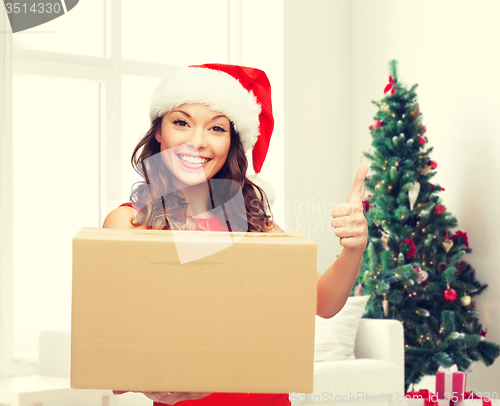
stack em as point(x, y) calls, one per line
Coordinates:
point(183, 112)
point(213, 118)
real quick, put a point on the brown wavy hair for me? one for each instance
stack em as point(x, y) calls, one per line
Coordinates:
point(160, 207)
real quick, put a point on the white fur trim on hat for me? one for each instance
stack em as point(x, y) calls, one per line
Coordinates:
point(218, 90)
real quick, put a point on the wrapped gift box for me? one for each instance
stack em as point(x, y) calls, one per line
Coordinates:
point(425, 398)
point(450, 384)
point(420, 398)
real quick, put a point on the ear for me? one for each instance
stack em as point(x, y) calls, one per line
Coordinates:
point(158, 136)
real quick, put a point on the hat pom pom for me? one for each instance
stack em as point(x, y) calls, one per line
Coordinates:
point(266, 186)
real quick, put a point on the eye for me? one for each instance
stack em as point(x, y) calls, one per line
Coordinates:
point(218, 129)
point(180, 122)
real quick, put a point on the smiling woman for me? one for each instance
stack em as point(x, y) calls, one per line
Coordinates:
point(192, 161)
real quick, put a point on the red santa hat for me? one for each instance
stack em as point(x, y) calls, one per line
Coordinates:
point(243, 94)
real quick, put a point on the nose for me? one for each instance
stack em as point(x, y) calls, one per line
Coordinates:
point(199, 138)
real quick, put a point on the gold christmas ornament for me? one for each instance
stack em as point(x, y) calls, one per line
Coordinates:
point(423, 312)
point(447, 244)
point(425, 170)
point(385, 305)
point(413, 194)
point(385, 240)
point(415, 113)
point(466, 300)
point(358, 290)
point(384, 106)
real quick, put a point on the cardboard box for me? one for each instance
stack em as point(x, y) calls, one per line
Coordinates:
point(238, 320)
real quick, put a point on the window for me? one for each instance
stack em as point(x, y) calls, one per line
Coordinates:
point(81, 88)
point(55, 176)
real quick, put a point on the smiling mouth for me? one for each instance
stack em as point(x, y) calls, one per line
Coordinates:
point(192, 160)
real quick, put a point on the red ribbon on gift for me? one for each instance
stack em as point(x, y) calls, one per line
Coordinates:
point(472, 395)
point(423, 394)
point(450, 381)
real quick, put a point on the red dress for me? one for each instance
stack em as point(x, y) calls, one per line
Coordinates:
point(230, 399)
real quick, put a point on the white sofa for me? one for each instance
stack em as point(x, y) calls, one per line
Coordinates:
point(375, 377)
point(52, 382)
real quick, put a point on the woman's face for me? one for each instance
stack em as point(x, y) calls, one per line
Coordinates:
point(194, 143)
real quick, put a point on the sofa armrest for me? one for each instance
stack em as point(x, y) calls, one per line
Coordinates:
point(381, 339)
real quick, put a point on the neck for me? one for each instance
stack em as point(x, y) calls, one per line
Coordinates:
point(198, 199)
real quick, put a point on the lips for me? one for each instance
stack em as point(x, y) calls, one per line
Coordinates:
point(192, 156)
point(192, 165)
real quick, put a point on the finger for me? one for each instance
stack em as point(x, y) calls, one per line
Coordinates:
point(159, 396)
point(346, 209)
point(353, 229)
point(343, 232)
point(351, 242)
point(356, 193)
point(195, 395)
point(339, 222)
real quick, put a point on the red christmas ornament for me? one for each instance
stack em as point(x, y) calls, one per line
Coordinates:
point(412, 251)
point(461, 234)
point(366, 205)
point(421, 139)
point(376, 124)
point(439, 208)
point(483, 332)
point(433, 164)
point(449, 295)
point(433, 186)
point(390, 86)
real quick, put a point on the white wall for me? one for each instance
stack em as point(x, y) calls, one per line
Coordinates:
point(261, 46)
point(451, 49)
point(317, 102)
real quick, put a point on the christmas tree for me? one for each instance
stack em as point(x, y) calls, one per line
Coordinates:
point(413, 268)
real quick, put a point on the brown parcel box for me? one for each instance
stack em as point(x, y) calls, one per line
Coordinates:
point(239, 320)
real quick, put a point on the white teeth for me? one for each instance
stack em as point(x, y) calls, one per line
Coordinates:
point(192, 160)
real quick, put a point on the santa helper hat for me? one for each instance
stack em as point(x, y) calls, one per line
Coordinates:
point(243, 94)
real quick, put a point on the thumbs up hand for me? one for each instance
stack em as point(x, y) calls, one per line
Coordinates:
point(348, 220)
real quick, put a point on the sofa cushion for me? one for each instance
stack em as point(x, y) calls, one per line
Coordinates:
point(363, 375)
point(334, 337)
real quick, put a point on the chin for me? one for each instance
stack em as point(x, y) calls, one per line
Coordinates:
point(191, 181)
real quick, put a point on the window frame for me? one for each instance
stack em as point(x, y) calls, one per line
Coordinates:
point(108, 70)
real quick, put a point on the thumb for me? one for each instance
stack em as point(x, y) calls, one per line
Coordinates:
point(356, 193)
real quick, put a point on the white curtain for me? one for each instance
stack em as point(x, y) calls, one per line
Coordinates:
point(6, 320)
